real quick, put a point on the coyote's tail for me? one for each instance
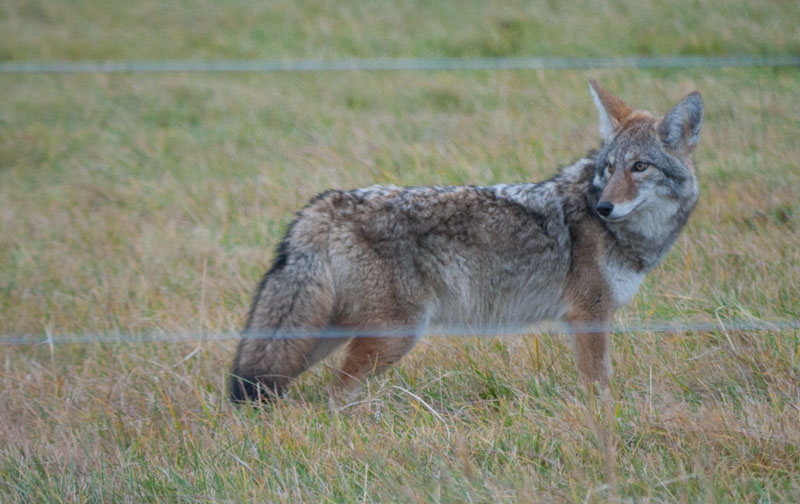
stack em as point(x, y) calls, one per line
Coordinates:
point(291, 299)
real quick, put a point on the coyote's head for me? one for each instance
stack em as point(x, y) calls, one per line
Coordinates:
point(645, 168)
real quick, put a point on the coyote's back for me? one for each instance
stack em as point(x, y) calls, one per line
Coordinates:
point(387, 258)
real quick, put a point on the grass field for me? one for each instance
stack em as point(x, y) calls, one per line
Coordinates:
point(152, 204)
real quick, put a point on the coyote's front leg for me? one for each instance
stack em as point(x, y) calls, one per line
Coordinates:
point(589, 321)
point(592, 356)
point(589, 307)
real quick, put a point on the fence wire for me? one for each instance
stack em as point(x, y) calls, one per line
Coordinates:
point(394, 64)
point(629, 328)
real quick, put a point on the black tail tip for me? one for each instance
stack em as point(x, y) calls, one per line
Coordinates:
point(243, 390)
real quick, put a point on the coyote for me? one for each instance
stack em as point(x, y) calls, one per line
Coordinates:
point(385, 258)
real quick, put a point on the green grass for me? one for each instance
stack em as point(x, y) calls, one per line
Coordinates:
point(85, 29)
point(152, 203)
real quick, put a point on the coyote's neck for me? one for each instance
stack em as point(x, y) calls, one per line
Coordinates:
point(645, 239)
point(641, 240)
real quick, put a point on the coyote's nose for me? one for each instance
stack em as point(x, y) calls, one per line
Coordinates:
point(605, 208)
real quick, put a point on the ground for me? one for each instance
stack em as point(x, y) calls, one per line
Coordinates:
point(151, 204)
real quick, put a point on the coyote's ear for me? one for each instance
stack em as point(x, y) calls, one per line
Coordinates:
point(613, 111)
point(680, 128)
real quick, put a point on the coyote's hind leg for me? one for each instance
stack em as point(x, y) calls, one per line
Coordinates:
point(369, 356)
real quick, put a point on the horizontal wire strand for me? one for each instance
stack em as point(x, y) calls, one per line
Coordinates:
point(433, 331)
point(393, 64)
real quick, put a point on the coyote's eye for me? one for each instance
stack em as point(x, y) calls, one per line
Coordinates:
point(609, 168)
point(639, 166)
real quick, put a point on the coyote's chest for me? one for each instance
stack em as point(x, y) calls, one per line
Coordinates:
point(622, 281)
